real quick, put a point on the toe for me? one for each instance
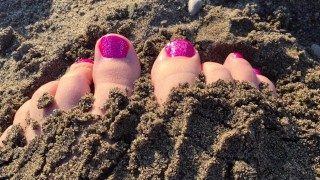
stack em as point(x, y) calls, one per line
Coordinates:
point(33, 110)
point(66, 92)
point(177, 63)
point(22, 114)
point(241, 69)
point(30, 113)
point(116, 66)
point(215, 71)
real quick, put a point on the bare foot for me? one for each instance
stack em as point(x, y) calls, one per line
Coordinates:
point(116, 65)
point(179, 62)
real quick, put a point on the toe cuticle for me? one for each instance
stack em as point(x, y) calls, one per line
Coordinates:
point(180, 48)
point(237, 55)
point(257, 71)
point(85, 60)
point(113, 46)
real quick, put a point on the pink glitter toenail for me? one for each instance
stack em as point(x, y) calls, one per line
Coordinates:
point(237, 55)
point(257, 71)
point(180, 48)
point(85, 60)
point(113, 47)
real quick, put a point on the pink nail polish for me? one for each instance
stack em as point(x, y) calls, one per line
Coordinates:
point(113, 47)
point(257, 71)
point(237, 55)
point(85, 60)
point(180, 48)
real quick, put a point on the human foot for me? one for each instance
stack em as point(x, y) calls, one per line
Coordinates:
point(179, 62)
point(116, 66)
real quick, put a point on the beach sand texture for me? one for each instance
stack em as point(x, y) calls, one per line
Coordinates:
point(217, 131)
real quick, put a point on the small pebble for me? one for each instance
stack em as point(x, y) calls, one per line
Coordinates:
point(283, 30)
point(164, 22)
point(194, 6)
point(316, 50)
point(155, 29)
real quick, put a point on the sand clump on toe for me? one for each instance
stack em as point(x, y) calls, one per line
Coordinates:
point(215, 131)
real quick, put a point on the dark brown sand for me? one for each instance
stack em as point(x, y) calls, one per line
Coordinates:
point(217, 131)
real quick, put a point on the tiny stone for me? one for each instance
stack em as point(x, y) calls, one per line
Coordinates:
point(164, 22)
point(131, 9)
point(194, 6)
point(155, 29)
point(299, 73)
point(316, 50)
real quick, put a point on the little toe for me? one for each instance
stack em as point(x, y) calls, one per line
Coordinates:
point(19, 119)
point(264, 79)
point(241, 69)
point(215, 71)
point(116, 66)
point(177, 63)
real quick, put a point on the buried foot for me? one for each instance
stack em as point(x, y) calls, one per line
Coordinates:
point(179, 62)
point(116, 65)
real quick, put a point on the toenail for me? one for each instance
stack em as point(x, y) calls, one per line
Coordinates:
point(257, 71)
point(180, 48)
point(113, 47)
point(85, 60)
point(237, 55)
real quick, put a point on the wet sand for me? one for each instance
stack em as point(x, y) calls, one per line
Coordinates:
point(219, 131)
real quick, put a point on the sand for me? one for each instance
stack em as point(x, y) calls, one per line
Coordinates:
point(219, 131)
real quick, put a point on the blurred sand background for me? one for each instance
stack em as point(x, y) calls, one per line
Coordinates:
point(203, 132)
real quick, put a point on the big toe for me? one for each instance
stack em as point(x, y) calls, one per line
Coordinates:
point(177, 63)
point(116, 66)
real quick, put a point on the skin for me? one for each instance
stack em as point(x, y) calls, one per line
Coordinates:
point(108, 73)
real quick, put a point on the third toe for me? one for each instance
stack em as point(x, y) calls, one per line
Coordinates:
point(215, 71)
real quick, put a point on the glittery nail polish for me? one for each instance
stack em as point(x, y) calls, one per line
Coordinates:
point(85, 60)
point(180, 48)
point(113, 46)
point(257, 71)
point(237, 55)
